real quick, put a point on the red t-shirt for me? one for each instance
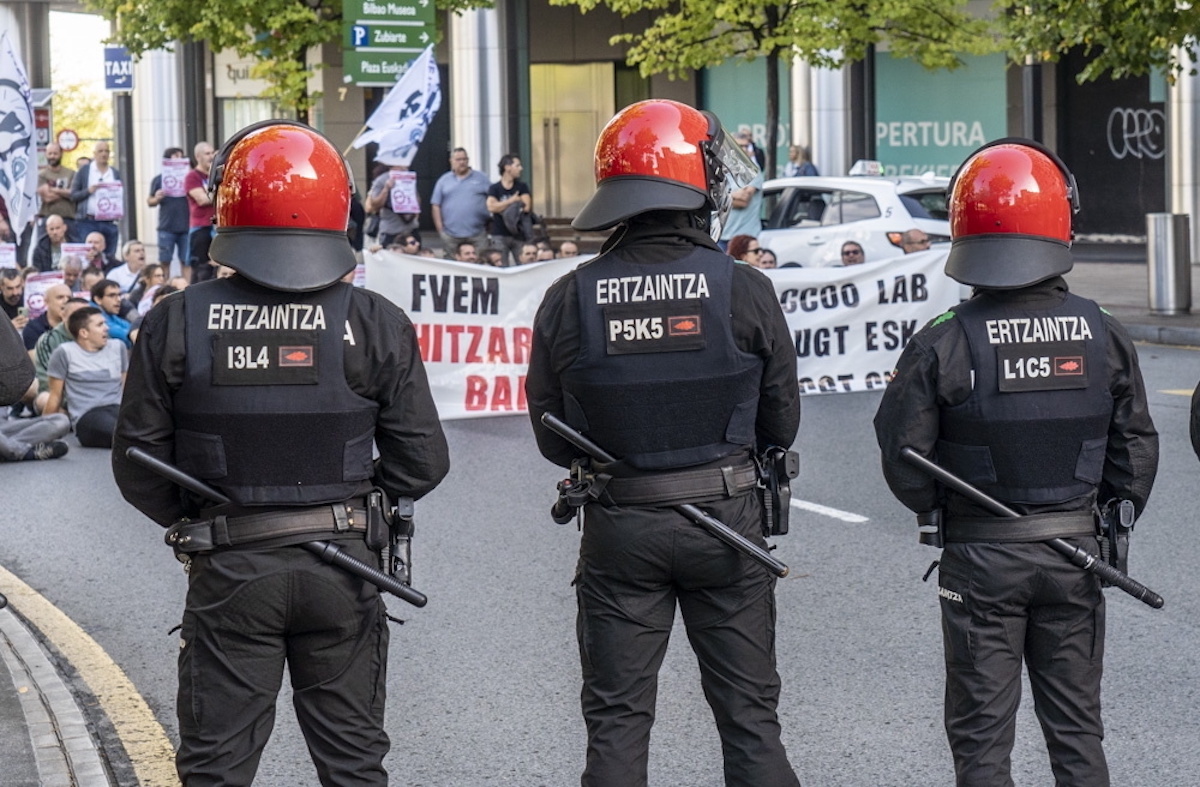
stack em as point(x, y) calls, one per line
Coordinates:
point(198, 215)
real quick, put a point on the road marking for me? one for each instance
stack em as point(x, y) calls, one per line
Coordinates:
point(817, 508)
point(145, 741)
point(1177, 392)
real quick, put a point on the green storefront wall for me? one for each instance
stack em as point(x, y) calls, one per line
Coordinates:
point(930, 121)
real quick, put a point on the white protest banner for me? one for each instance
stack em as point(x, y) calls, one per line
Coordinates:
point(35, 291)
point(174, 170)
point(8, 255)
point(850, 324)
point(110, 200)
point(404, 193)
point(475, 323)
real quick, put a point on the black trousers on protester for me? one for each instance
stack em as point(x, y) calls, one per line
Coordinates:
point(250, 610)
point(1004, 603)
point(95, 428)
point(635, 564)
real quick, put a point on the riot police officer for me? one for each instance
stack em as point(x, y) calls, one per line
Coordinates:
point(678, 361)
point(272, 386)
point(1034, 395)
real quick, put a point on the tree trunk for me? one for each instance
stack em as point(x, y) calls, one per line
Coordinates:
point(772, 112)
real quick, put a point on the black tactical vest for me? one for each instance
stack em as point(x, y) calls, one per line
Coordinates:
point(264, 413)
point(659, 381)
point(1035, 427)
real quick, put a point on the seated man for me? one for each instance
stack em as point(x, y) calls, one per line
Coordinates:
point(56, 297)
point(106, 296)
point(98, 257)
point(91, 372)
point(48, 252)
point(47, 343)
point(31, 439)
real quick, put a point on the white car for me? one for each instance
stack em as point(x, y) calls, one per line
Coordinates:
point(809, 218)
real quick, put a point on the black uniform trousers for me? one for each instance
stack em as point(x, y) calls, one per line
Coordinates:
point(248, 612)
point(635, 564)
point(1004, 603)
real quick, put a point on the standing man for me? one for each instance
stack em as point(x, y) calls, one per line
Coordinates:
point(746, 216)
point(393, 226)
point(507, 198)
point(200, 213)
point(685, 408)
point(341, 370)
point(914, 240)
point(172, 222)
point(54, 188)
point(1035, 396)
point(459, 203)
point(91, 178)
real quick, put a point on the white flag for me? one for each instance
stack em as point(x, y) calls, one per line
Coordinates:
point(18, 155)
point(400, 121)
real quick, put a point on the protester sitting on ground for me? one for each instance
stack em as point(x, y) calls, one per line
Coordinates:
point(32, 439)
point(852, 253)
point(544, 255)
point(72, 268)
point(745, 248)
point(47, 255)
point(568, 248)
point(88, 280)
point(126, 274)
point(768, 259)
point(151, 276)
point(90, 372)
point(153, 296)
point(106, 295)
point(493, 257)
point(47, 343)
point(55, 297)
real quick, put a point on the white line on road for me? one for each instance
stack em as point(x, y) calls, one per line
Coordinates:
point(817, 508)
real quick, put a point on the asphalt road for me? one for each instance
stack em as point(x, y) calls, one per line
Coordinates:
point(483, 682)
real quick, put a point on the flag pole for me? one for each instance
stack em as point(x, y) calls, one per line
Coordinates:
point(346, 152)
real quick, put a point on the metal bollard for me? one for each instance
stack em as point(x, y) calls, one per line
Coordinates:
point(1168, 258)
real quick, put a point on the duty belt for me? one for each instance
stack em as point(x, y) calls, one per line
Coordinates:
point(221, 531)
point(677, 487)
point(1026, 529)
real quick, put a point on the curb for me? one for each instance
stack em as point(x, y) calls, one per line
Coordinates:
point(62, 744)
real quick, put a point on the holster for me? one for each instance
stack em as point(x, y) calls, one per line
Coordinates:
point(1116, 526)
point(777, 467)
point(396, 528)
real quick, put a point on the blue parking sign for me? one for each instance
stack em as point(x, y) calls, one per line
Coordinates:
point(118, 68)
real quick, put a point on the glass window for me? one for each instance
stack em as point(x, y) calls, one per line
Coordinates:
point(849, 206)
point(926, 204)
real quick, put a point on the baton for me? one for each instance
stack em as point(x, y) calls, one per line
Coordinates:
point(1080, 557)
point(329, 552)
point(705, 520)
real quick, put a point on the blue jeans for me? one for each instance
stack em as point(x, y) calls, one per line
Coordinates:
point(172, 245)
point(109, 229)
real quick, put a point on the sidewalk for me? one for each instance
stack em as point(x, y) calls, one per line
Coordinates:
point(45, 740)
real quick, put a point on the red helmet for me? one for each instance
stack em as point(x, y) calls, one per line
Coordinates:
point(663, 155)
point(282, 194)
point(1011, 206)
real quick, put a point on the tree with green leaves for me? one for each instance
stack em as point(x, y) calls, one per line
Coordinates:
point(694, 34)
point(277, 33)
point(1124, 37)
